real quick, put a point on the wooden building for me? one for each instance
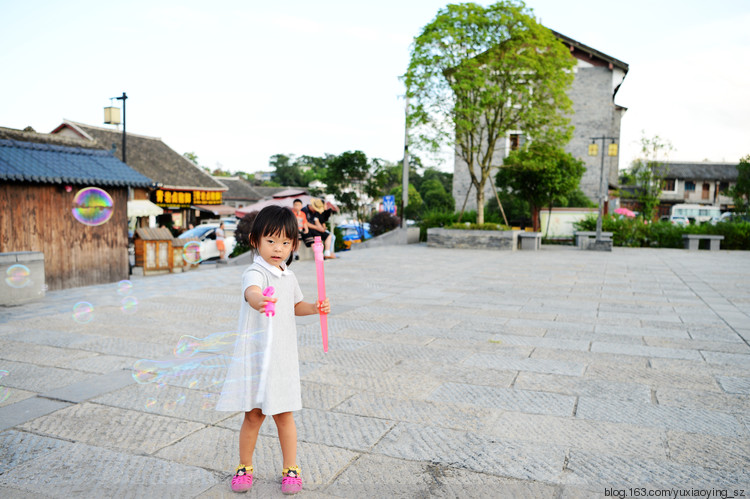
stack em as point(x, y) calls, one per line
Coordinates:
point(40, 175)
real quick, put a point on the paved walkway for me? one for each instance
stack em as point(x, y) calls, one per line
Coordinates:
point(451, 373)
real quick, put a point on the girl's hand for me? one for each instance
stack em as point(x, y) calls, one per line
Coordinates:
point(324, 307)
point(265, 299)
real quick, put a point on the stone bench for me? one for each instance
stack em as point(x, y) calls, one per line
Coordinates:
point(584, 237)
point(530, 241)
point(692, 241)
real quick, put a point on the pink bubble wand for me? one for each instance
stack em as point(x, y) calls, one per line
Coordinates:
point(318, 251)
point(270, 311)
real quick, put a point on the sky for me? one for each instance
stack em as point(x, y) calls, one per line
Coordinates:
point(236, 82)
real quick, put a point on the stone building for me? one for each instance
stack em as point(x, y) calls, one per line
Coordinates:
point(598, 77)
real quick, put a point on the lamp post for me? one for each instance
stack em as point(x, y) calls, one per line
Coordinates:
point(594, 151)
point(112, 117)
point(405, 174)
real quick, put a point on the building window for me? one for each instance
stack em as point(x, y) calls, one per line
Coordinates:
point(723, 187)
point(689, 185)
point(669, 185)
point(515, 141)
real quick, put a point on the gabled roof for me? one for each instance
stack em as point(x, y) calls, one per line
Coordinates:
point(43, 160)
point(584, 52)
point(149, 156)
point(239, 189)
point(723, 172)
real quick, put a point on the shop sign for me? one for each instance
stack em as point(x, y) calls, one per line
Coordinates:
point(184, 199)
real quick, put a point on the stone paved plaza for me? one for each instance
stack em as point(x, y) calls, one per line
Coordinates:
point(451, 373)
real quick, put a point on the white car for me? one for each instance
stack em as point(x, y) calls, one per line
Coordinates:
point(206, 234)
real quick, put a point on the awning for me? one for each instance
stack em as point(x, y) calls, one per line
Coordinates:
point(142, 208)
point(222, 210)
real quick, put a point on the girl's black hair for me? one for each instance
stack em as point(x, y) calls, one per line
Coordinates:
point(273, 220)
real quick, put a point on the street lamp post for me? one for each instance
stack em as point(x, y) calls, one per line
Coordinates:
point(112, 117)
point(594, 151)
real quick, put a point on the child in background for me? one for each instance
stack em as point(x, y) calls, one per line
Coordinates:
point(273, 237)
point(301, 221)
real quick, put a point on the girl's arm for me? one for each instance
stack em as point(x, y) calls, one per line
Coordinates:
point(307, 308)
point(254, 297)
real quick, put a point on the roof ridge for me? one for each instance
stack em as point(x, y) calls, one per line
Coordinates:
point(119, 132)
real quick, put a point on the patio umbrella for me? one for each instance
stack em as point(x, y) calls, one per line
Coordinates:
point(625, 211)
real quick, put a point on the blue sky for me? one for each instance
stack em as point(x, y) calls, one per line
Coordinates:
point(236, 82)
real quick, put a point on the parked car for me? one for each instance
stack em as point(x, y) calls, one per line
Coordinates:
point(206, 234)
point(675, 219)
point(354, 233)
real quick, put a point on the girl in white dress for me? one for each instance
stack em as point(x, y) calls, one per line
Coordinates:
point(273, 237)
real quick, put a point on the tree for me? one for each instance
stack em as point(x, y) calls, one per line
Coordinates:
point(477, 73)
point(286, 170)
point(414, 206)
point(740, 192)
point(540, 173)
point(346, 179)
point(435, 196)
point(647, 173)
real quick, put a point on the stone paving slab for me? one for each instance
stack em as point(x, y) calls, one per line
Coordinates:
point(526, 364)
point(100, 425)
point(99, 472)
point(91, 387)
point(26, 410)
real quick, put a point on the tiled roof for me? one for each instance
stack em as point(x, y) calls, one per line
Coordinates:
point(151, 157)
point(723, 172)
point(239, 189)
point(23, 161)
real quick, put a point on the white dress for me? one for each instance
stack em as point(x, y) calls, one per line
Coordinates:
point(240, 388)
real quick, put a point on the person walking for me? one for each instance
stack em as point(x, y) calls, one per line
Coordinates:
point(220, 238)
point(273, 237)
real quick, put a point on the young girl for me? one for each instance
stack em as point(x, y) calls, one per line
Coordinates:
point(273, 237)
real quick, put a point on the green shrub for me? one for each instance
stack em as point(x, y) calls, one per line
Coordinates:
point(633, 232)
point(338, 244)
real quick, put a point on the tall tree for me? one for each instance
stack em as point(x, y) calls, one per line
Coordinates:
point(740, 192)
point(477, 73)
point(647, 173)
point(540, 173)
point(346, 179)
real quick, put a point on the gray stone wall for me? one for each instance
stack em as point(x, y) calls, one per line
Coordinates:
point(594, 115)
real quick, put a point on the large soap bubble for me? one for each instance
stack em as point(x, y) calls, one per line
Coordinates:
point(92, 206)
point(18, 276)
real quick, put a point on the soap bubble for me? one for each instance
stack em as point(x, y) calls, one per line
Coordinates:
point(18, 276)
point(208, 403)
point(191, 252)
point(83, 312)
point(4, 391)
point(129, 304)
point(150, 402)
point(124, 288)
point(92, 206)
point(218, 342)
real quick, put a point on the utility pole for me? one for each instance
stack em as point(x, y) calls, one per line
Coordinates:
point(405, 175)
point(593, 151)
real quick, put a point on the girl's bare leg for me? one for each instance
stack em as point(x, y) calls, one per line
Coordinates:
point(249, 435)
point(287, 437)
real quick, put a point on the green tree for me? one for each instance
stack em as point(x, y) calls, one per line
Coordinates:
point(740, 192)
point(435, 196)
point(647, 173)
point(286, 170)
point(477, 73)
point(346, 179)
point(540, 173)
point(414, 206)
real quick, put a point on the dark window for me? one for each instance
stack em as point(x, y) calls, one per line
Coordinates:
point(515, 141)
point(668, 184)
point(723, 187)
point(689, 185)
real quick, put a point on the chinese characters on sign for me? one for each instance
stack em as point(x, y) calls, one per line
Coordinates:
point(184, 199)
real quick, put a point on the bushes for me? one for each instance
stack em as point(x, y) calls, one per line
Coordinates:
point(633, 232)
point(484, 226)
point(382, 222)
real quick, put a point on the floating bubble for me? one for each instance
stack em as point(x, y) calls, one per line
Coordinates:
point(170, 405)
point(181, 399)
point(208, 403)
point(92, 206)
point(83, 312)
point(193, 383)
point(129, 304)
point(191, 252)
point(156, 371)
point(217, 342)
point(150, 402)
point(18, 276)
point(124, 288)
point(43, 289)
point(4, 391)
